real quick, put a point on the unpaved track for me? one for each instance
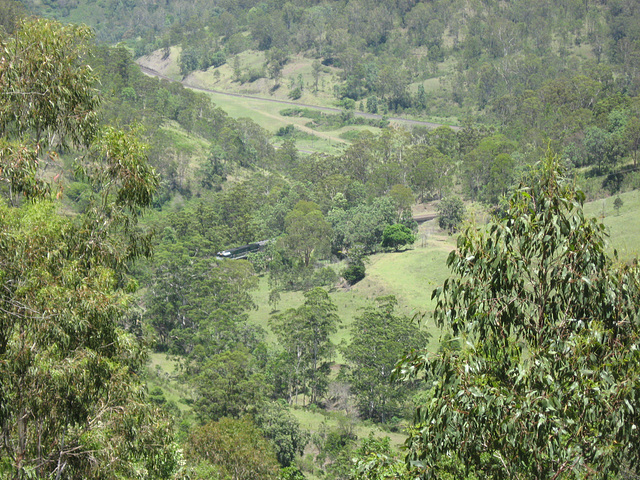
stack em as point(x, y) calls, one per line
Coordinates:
point(154, 73)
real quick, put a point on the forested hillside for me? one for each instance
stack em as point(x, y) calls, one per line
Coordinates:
point(133, 346)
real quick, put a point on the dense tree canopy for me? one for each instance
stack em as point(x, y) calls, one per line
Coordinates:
point(451, 213)
point(230, 448)
point(396, 236)
point(304, 334)
point(71, 405)
point(380, 337)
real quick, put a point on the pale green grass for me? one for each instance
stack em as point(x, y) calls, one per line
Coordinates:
point(267, 115)
point(163, 363)
point(264, 113)
point(189, 150)
point(321, 145)
point(163, 373)
point(168, 66)
point(411, 276)
point(623, 227)
point(312, 421)
point(193, 145)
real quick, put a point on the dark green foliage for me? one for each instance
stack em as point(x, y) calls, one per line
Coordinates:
point(229, 384)
point(230, 448)
point(374, 460)
point(451, 214)
point(617, 204)
point(71, 402)
point(304, 334)
point(354, 273)
point(603, 148)
point(282, 428)
point(285, 131)
point(291, 473)
point(362, 225)
point(546, 380)
point(488, 169)
point(199, 301)
point(295, 94)
point(308, 233)
point(396, 236)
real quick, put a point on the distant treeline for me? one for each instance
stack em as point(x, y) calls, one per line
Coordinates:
point(483, 50)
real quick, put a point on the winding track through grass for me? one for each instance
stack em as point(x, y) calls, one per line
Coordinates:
point(375, 116)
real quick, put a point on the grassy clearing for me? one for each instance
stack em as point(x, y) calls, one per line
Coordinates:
point(163, 373)
point(189, 151)
point(196, 147)
point(623, 226)
point(267, 115)
point(312, 420)
point(166, 65)
point(410, 275)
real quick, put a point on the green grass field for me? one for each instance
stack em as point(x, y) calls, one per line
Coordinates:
point(623, 226)
point(267, 115)
point(163, 373)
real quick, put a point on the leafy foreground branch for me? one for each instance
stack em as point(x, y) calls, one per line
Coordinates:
point(71, 402)
point(546, 381)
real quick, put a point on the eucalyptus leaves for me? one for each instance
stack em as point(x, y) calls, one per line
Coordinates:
point(547, 379)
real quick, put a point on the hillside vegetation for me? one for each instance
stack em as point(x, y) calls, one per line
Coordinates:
point(129, 339)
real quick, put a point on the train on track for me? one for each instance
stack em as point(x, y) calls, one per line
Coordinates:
point(242, 252)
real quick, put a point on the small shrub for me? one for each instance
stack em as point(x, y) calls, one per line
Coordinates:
point(354, 273)
point(617, 204)
point(285, 131)
point(295, 94)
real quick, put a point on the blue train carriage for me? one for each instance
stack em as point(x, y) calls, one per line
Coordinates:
point(242, 252)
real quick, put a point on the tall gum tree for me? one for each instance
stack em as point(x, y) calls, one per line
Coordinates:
point(71, 403)
point(546, 382)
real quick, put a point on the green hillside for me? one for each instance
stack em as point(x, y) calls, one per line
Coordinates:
point(365, 153)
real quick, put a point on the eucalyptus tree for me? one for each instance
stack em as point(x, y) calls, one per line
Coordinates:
point(547, 379)
point(230, 448)
point(305, 335)
point(380, 336)
point(71, 404)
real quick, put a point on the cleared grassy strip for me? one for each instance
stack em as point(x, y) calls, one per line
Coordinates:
point(624, 226)
point(267, 115)
point(163, 373)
